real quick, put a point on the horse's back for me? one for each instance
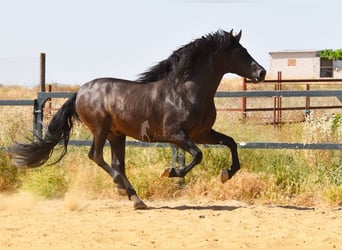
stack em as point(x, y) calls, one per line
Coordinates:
point(97, 90)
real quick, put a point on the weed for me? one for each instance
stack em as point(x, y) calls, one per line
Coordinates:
point(332, 173)
point(9, 175)
point(333, 195)
point(336, 123)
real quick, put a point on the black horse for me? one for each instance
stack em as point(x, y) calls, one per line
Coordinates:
point(172, 102)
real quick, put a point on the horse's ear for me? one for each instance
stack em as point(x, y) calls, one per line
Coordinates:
point(230, 34)
point(238, 36)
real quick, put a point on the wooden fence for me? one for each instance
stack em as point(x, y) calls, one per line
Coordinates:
point(279, 84)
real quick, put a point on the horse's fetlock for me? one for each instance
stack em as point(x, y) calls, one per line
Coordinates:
point(130, 192)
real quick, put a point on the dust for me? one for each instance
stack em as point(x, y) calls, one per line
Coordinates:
point(17, 201)
point(74, 200)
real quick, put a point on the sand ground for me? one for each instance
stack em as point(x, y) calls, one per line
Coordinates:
point(76, 222)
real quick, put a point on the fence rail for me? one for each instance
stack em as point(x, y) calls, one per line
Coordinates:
point(246, 145)
point(282, 93)
point(17, 102)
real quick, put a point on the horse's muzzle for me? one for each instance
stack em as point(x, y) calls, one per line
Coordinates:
point(259, 75)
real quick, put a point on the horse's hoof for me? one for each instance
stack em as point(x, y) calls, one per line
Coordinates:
point(121, 191)
point(138, 203)
point(170, 172)
point(166, 172)
point(224, 175)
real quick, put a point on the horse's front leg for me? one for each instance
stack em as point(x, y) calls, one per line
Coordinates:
point(186, 144)
point(214, 137)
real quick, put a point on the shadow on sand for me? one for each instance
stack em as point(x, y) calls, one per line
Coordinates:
point(296, 207)
point(199, 207)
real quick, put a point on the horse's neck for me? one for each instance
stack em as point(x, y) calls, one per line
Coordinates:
point(208, 79)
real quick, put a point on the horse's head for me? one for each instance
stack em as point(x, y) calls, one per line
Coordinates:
point(239, 61)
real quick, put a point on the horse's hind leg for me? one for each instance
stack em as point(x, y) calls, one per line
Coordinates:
point(118, 159)
point(117, 143)
point(96, 154)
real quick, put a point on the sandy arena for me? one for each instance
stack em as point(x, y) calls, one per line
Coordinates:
point(81, 223)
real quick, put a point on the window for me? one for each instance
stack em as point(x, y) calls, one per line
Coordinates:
point(291, 62)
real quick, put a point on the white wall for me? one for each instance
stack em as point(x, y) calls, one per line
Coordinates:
point(294, 65)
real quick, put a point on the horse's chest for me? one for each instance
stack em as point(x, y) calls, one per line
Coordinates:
point(199, 121)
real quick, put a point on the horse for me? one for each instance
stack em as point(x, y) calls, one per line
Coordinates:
point(172, 102)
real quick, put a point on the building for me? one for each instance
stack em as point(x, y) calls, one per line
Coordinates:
point(303, 64)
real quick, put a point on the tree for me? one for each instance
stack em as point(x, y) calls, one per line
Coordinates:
point(331, 54)
point(338, 54)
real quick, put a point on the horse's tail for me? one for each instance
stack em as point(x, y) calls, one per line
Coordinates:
point(39, 150)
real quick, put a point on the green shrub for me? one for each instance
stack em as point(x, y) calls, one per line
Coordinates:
point(46, 181)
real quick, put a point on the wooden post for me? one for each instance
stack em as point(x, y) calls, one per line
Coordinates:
point(275, 107)
point(307, 103)
point(42, 72)
point(279, 98)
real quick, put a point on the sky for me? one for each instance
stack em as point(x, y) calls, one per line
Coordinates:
point(85, 39)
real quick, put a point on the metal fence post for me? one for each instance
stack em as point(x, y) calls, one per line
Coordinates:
point(39, 116)
point(279, 113)
point(35, 115)
point(178, 156)
point(244, 99)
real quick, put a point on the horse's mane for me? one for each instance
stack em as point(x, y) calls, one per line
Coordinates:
point(183, 61)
